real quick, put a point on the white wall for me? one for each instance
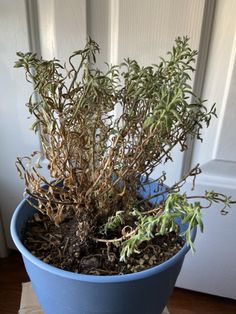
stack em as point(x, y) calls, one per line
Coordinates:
point(15, 138)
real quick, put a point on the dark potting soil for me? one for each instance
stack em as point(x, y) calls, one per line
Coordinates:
point(59, 246)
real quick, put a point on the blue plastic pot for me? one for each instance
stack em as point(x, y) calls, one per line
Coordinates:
point(63, 292)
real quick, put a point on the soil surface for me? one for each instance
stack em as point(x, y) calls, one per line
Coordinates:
point(59, 246)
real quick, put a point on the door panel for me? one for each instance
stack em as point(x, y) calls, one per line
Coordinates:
point(62, 27)
point(147, 30)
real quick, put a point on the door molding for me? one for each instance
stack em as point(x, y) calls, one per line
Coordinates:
point(205, 38)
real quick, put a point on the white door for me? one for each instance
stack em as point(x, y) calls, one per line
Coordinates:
point(213, 268)
point(143, 30)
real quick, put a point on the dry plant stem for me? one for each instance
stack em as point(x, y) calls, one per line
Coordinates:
point(45, 199)
point(108, 161)
point(176, 187)
point(128, 235)
point(155, 211)
point(204, 197)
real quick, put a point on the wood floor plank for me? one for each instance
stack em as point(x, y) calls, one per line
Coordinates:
point(12, 274)
point(190, 302)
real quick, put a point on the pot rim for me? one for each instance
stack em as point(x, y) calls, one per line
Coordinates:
point(92, 278)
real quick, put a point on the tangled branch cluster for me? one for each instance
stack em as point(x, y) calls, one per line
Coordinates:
point(97, 162)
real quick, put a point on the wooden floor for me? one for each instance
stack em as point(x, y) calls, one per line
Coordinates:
point(12, 274)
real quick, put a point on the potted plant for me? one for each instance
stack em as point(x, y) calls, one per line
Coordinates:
point(99, 234)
